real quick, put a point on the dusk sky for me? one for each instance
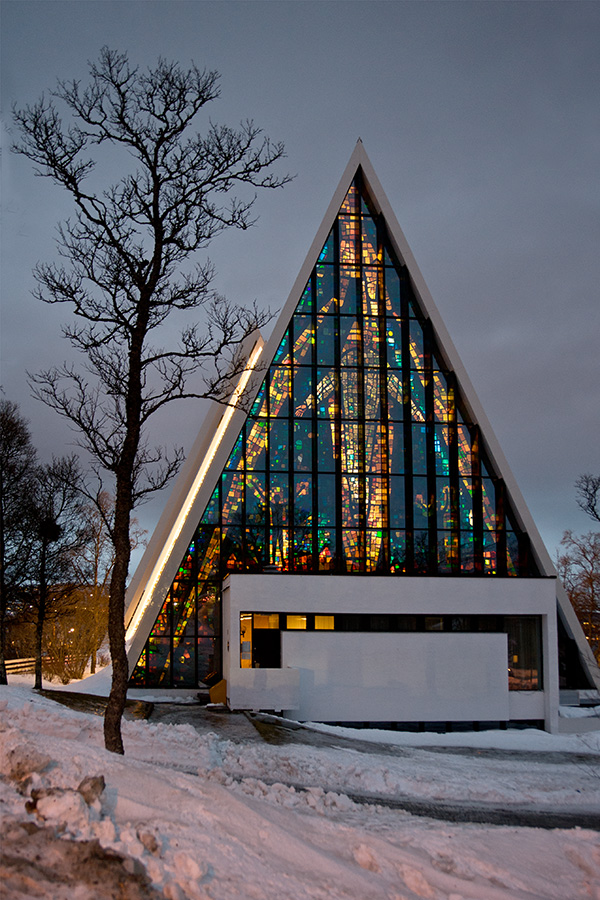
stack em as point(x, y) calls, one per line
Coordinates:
point(482, 121)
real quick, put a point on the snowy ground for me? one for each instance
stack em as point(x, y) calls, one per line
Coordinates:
point(190, 812)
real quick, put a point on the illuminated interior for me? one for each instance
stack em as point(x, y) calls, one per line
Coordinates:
point(358, 456)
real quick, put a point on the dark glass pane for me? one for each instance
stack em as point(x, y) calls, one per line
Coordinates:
point(327, 505)
point(369, 241)
point(467, 552)
point(184, 662)
point(396, 448)
point(325, 452)
point(159, 652)
point(392, 293)
point(488, 496)
point(208, 663)
point(255, 496)
point(302, 549)
point(303, 393)
point(259, 406)
point(349, 291)
point(325, 341)
point(421, 551)
point(162, 626)
point(325, 289)
point(349, 342)
point(278, 443)
point(466, 503)
point(417, 352)
point(395, 394)
point(512, 553)
point(421, 507)
point(397, 504)
point(418, 449)
point(524, 653)
point(304, 340)
point(447, 551)
point(208, 611)
point(303, 442)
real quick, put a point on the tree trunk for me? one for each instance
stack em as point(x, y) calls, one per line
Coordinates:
point(3, 678)
point(116, 632)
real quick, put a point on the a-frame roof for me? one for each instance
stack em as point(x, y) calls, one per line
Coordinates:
point(218, 433)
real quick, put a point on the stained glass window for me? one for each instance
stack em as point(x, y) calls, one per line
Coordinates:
point(358, 456)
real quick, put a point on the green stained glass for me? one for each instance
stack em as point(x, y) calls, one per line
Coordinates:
point(466, 504)
point(259, 406)
point(443, 504)
point(467, 552)
point(255, 497)
point(306, 301)
point(464, 451)
point(398, 562)
point(417, 396)
point(488, 496)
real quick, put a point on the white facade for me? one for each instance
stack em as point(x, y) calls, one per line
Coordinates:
point(390, 677)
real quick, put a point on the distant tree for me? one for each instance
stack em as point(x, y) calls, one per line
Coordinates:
point(579, 569)
point(59, 532)
point(129, 264)
point(588, 490)
point(17, 474)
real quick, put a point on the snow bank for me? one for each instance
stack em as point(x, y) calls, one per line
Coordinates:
point(203, 817)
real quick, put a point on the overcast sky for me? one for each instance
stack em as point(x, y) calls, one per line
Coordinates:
point(482, 121)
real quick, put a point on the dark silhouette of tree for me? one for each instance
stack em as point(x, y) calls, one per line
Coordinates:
point(129, 264)
point(588, 490)
point(17, 473)
point(579, 569)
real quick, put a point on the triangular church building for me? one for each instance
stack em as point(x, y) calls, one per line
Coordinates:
point(349, 545)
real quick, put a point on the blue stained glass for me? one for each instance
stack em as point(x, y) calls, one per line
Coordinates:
point(303, 442)
point(349, 393)
point(236, 457)
point(370, 291)
point(466, 504)
point(302, 500)
point(211, 513)
point(282, 354)
point(441, 439)
point(327, 253)
point(396, 448)
point(325, 342)
point(417, 347)
point(393, 339)
point(397, 552)
point(325, 449)
point(419, 461)
point(327, 506)
point(392, 294)
point(421, 506)
point(279, 443)
point(445, 518)
point(303, 393)
point(304, 340)
point(326, 393)
point(349, 342)
point(397, 503)
point(417, 396)
point(369, 241)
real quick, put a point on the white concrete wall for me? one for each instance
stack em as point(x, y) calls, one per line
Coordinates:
point(349, 676)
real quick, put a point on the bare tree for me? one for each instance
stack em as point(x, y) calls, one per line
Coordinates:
point(60, 533)
point(127, 268)
point(579, 569)
point(17, 470)
point(588, 490)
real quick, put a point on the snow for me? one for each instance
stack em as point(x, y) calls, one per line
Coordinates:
point(194, 814)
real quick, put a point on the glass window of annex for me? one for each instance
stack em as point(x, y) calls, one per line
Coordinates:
point(358, 457)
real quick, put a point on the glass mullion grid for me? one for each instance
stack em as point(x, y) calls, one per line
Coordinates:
point(432, 563)
point(383, 398)
point(405, 290)
point(477, 500)
point(453, 466)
